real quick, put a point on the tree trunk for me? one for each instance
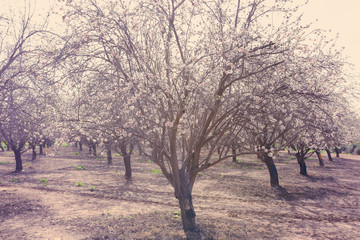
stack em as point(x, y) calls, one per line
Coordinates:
point(2, 148)
point(7, 146)
point(94, 149)
point(80, 146)
point(127, 164)
point(233, 148)
point(329, 154)
point(321, 161)
point(274, 178)
point(76, 144)
point(41, 149)
point(140, 149)
point(302, 164)
point(33, 147)
point(337, 151)
point(109, 157)
point(18, 160)
point(188, 217)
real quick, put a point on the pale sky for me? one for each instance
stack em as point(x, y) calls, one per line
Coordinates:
point(343, 17)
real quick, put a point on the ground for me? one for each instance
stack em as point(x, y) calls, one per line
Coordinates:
point(70, 195)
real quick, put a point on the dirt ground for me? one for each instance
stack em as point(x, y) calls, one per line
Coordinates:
point(70, 195)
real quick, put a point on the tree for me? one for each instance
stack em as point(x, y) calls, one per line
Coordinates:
point(188, 71)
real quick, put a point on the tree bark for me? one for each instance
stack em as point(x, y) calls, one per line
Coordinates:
point(18, 160)
point(321, 161)
point(33, 148)
point(109, 157)
point(329, 154)
point(2, 148)
point(80, 146)
point(41, 149)
point(188, 216)
point(94, 148)
point(302, 164)
point(274, 178)
point(337, 151)
point(127, 162)
point(7, 146)
point(233, 148)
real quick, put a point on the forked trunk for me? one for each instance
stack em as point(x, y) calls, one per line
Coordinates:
point(109, 157)
point(302, 164)
point(329, 154)
point(274, 178)
point(18, 160)
point(321, 161)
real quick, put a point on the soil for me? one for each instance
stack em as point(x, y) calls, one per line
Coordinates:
point(71, 195)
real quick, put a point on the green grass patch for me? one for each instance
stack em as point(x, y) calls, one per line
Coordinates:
point(3, 163)
point(156, 171)
point(15, 180)
point(44, 181)
point(64, 144)
point(26, 164)
point(118, 155)
point(285, 162)
point(79, 184)
point(291, 157)
point(260, 168)
point(76, 153)
point(81, 167)
point(92, 188)
point(177, 214)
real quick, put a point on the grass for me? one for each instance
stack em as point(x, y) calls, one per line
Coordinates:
point(3, 163)
point(81, 167)
point(26, 163)
point(118, 155)
point(291, 157)
point(92, 188)
point(76, 153)
point(178, 213)
point(64, 145)
point(260, 168)
point(79, 184)
point(44, 181)
point(286, 162)
point(15, 180)
point(156, 171)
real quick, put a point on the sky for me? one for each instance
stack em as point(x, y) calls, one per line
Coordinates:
point(342, 17)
